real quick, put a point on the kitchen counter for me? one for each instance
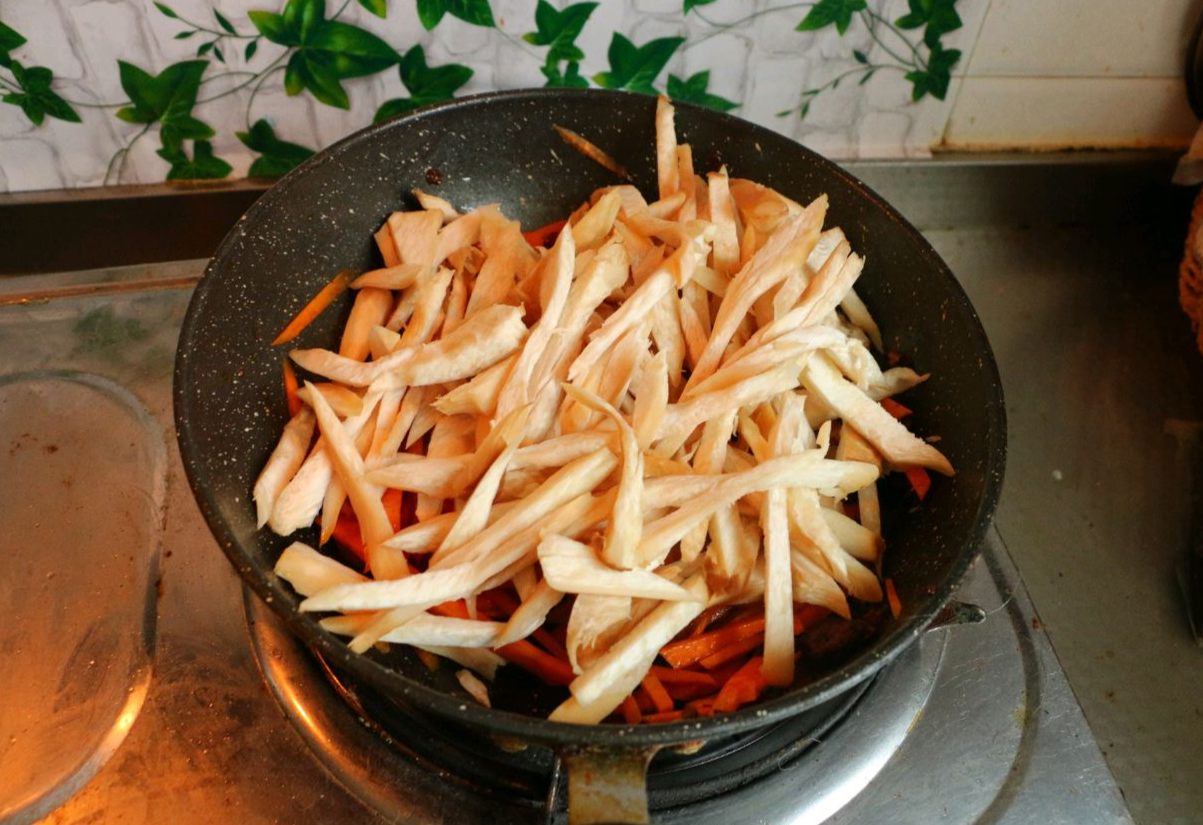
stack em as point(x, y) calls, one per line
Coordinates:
point(1071, 263)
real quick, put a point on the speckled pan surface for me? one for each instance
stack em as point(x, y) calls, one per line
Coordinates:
point(229, 402)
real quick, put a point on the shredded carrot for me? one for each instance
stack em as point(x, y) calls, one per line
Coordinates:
point(920, 481)
point(702, 707)
point(544, 235)
point(894, 408)
point(660, 697)
point(547, 667)
point(290, 388)
point(456, 609)
point(589, 150)
point(630, 711)
point(743, 687)
point(810, 615)
point(686, 652)
point(729, 652)
point(892, 597)
point(665, 716)
point(672, 676)
point(689, 691)
point(643, 700)
point(392, 500)
point(550, 643)
point(346, 534)
point(314, 308)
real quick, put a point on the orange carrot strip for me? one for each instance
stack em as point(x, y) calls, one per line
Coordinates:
point(743, 687)
point(729, 652)
point(346, 534)
point(456, 609)
point(314, 308)
point(590, 151)
point(550, 643)
point(644, 700)
point(892, 597)
point(547, 667)
point(630, 711)
point(702, 707)
point(672, 676)
point(920, 481)
point(811, 614)
point(660, 697)
point(689, 691)
point(664, 716)
point(392, 505)
point(290, 388)
point(544, 234)
point(686, 652)
point(894, 408)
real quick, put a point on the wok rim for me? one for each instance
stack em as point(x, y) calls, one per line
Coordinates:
point(536, 729)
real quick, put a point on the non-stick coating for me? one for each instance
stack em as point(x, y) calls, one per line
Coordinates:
point(229, 402)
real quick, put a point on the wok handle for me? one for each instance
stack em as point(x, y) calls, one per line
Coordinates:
point(607, 786)
point(955, 613)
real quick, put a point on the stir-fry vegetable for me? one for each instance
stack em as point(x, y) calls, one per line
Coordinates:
point(635, 453)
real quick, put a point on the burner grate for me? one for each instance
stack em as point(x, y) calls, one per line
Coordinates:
point(524, 773)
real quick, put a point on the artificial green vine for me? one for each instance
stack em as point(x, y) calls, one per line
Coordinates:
point(317, 53)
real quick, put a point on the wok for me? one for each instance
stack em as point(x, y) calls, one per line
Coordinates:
point(230, 408)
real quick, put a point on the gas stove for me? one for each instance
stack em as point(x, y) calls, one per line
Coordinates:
point(975, 723)
point(142, 685)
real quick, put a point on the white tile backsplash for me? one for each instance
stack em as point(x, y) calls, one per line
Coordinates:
point(1069, 112)
point(1084, 38)
point(1040, 74)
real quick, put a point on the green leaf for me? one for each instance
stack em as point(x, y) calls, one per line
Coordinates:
point(218, 53)
point(204, 48)
point(318, 74)
point(693, 4)
point(201, 166)
point(569, 79)
point(167, 11)
point(865, 78)
point(426, 84)
point(328, 51)
point(251, 48)
point(353, 51)
point(223, 22)
point(153, 96)
point(828, 12)
point(36, 99)
point(185, 35)
point(935, 78)
point(860, 56)
point(9, 40)
point(273, 27)
point(376, 7)
point(476, 12)
point(559, 29)
point(303, 16)
point(634, 68)
point(293, 84)
point(277, 157)
point(693, 90)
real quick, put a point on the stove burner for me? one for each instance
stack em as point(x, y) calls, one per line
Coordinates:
point(407, 768)
point(526, 773)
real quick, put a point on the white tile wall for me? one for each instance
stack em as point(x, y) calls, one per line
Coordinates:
point(1069, 112)
point(1036, 74)
point(1084, 38)
point(1052, 74)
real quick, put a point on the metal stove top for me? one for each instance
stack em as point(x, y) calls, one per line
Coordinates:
point(974, 724)
point(127, 637)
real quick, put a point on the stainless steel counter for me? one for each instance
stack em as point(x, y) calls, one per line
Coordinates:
point(1071, 263)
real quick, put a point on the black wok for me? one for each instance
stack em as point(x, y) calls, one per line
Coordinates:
point(229, 404)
